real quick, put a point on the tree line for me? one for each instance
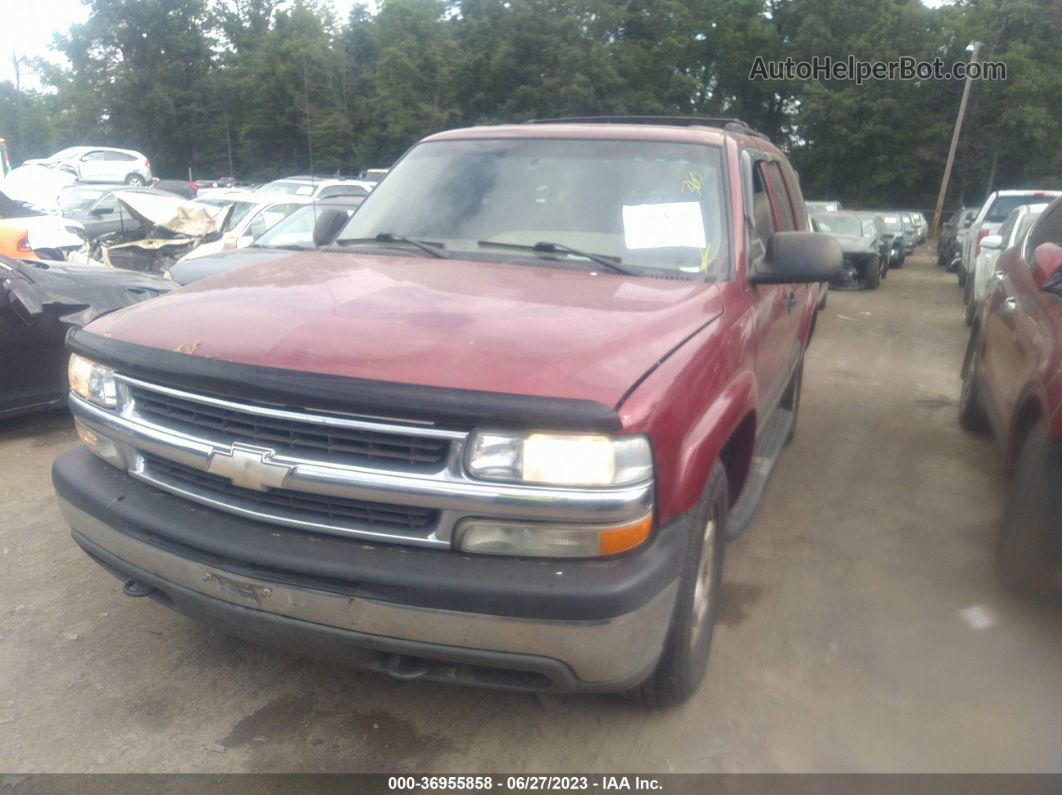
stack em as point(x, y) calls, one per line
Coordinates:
point(262, 88)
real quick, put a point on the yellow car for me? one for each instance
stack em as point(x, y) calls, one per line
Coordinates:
point(14, 239)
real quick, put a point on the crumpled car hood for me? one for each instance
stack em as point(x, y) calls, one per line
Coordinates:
point(448, 323)
point(89, 291)
point(171, 213)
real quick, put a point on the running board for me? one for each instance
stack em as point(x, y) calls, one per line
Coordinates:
point(765, 456)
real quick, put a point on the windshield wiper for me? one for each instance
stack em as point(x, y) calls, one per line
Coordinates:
point(433, 249)
point(545, 247)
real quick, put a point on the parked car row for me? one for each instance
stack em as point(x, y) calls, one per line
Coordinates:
point(873, 241)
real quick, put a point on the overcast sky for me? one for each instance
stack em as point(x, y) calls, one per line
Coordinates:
point(27, 28)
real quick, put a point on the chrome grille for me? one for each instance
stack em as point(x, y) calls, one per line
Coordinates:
point(288, 436)
point(284, 503)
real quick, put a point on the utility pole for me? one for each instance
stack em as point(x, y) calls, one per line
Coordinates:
point(974, 48)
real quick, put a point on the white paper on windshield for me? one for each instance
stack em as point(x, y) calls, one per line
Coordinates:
point(671, 225)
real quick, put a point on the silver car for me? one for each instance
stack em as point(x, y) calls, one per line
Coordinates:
point(100, 164)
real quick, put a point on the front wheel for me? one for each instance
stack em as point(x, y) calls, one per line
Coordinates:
point(135, 180)
point(872, 275)
point(689, 639)
point(1029, 550)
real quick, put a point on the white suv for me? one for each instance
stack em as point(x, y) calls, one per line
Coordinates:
point(991, 216)
point(100, 164)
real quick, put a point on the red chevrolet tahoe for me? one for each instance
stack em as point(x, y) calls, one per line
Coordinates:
point(497, 434)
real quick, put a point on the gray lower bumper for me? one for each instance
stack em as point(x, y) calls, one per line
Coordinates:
point(403, 640)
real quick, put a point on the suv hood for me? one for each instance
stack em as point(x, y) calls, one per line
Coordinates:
point(448, 323)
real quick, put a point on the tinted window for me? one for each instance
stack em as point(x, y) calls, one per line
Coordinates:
point(78, 198)
point(783, 206)
point(118, 156)
point(295, 230)
point(342, 190)
point(96, 155)
point(1003, 205)
point(284, 186)
point(269, 216)
point(839, 224)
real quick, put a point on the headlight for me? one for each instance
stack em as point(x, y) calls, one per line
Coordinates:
point(92, 381)
point(559, 459)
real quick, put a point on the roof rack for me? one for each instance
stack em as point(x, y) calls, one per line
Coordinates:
point(725, 123)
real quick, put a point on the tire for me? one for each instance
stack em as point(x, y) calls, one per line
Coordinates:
point(972, 415)
point(684, 660)
point(135, 180)
point(1028, 559)
point(899, 261)
point(872, 275)
point(961, 273)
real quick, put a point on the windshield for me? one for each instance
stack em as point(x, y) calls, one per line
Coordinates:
point(650, 205)
point(837, 224)
point(284, 186)
point(1003, 205)
point(65, 154)
point(295, 230)
point(78, 198)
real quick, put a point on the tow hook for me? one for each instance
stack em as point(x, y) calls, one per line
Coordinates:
point(405, 668)
point(135, 588)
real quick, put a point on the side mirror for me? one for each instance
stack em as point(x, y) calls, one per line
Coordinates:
point(210, 237)
point(102, 210)
point(992, 241)
point(798, 257)
point(24, 302)
point(1047, 262)
point(327, 226)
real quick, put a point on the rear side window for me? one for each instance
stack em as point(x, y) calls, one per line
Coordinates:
point(1003, 205)
point(762, 217)
point(122, 156)
point(781, 203)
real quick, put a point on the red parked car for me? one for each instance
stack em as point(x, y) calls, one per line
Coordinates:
point(1011, 385)
point(496, 434)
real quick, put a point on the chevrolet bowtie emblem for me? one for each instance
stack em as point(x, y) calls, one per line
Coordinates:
point(249, 467)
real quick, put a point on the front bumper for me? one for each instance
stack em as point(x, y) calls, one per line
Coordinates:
point(556, 625)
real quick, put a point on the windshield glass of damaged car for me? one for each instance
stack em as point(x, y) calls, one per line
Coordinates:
point(648, 205)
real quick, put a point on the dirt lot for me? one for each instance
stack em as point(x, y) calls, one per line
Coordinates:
point(862, 628)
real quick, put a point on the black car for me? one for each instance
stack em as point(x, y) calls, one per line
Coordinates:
point(39, 301)
point(311, 226)
point(862, 244)
point(98, 209)
point(951, 234)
